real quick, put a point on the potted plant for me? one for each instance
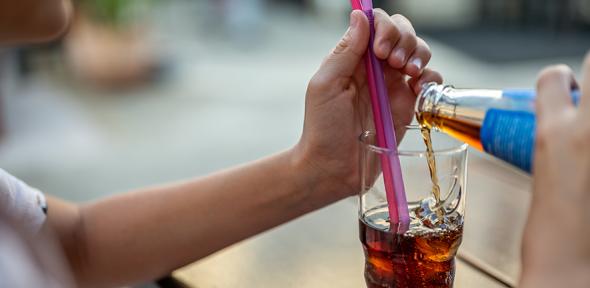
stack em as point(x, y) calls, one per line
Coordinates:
point(108, 44)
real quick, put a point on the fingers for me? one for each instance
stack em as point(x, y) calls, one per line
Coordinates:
point(396, 42)
point(418, 59)
point(585, 90)
point(554, 92)
point(387, 34)
point(428, 76)
point(344, 59)
point(406, 44)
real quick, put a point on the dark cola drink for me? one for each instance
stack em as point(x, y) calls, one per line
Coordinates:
point(423, 256)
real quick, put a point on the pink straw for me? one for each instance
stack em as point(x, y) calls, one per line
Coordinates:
point(392, 172)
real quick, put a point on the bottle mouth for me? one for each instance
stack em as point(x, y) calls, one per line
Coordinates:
point(429, 96)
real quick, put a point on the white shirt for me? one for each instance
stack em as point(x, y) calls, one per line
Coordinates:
point(27, 262)
point(24, 204)
point(26, 259)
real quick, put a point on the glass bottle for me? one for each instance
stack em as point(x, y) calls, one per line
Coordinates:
point(498, 122)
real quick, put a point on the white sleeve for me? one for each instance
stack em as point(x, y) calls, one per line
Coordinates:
point(24, 204)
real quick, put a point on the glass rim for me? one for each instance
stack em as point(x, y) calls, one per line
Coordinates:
point(462, 147)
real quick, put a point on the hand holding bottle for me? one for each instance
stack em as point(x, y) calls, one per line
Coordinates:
point(556, 244)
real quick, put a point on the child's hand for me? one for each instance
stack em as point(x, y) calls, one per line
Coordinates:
point(338, 101)
point(556, 243)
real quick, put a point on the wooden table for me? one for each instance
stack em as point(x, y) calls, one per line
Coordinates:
point(322, 249)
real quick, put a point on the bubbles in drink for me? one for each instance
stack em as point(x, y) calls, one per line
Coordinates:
point(424, 218)
point(421, 257)
point(424, 255)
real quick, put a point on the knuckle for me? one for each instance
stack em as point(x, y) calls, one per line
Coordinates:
point(392, 30)
point(423, 44)
point(343, 45)
point(380, 12)
point(410, 40)
point(563, 68)
point(424, 54)
point(402, 20)
point(436, 76)
point(399, 17)
point(559, 70)
point(553, 73)
point(387, 28)
point(317, 82)
point(407, 36)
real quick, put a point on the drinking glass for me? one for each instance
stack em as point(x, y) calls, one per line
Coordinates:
point(424, 255)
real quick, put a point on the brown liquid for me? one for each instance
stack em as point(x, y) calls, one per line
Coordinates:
point(421, 259)
point(431, 163)
point(461, 130)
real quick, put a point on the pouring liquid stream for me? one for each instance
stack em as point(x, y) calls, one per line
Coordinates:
point(425, 131)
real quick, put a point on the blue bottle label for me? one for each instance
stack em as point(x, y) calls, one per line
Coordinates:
point(510, 136)
point(519, 94)
point(530, 95)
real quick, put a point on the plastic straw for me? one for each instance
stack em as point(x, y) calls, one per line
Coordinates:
point(390, 164)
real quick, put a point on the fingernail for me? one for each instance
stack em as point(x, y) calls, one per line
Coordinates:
point(400, 55)
point(417, 62)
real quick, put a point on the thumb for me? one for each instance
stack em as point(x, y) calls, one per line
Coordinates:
point(351, 49)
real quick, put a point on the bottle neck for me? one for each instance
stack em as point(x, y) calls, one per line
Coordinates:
point(430, 97)
point(468, 106)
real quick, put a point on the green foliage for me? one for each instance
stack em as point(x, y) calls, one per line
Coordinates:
point(114, 12)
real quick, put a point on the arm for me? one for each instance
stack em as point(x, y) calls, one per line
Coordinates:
point(139, 235)
point(145, 234)
point(556, 243)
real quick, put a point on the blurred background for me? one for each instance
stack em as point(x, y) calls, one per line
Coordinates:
point(144, 92)
point(140, 92)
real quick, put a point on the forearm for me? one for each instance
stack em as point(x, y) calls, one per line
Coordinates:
point(145, 234)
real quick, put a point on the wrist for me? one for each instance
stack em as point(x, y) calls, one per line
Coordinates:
point(317, 186)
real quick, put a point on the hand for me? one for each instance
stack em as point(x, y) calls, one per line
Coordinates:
point(556, 243)
point(338, 100)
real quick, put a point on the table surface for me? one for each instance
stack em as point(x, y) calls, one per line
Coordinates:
point(322, 249)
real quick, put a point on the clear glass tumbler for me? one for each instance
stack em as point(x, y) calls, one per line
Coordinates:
point(424, 255)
